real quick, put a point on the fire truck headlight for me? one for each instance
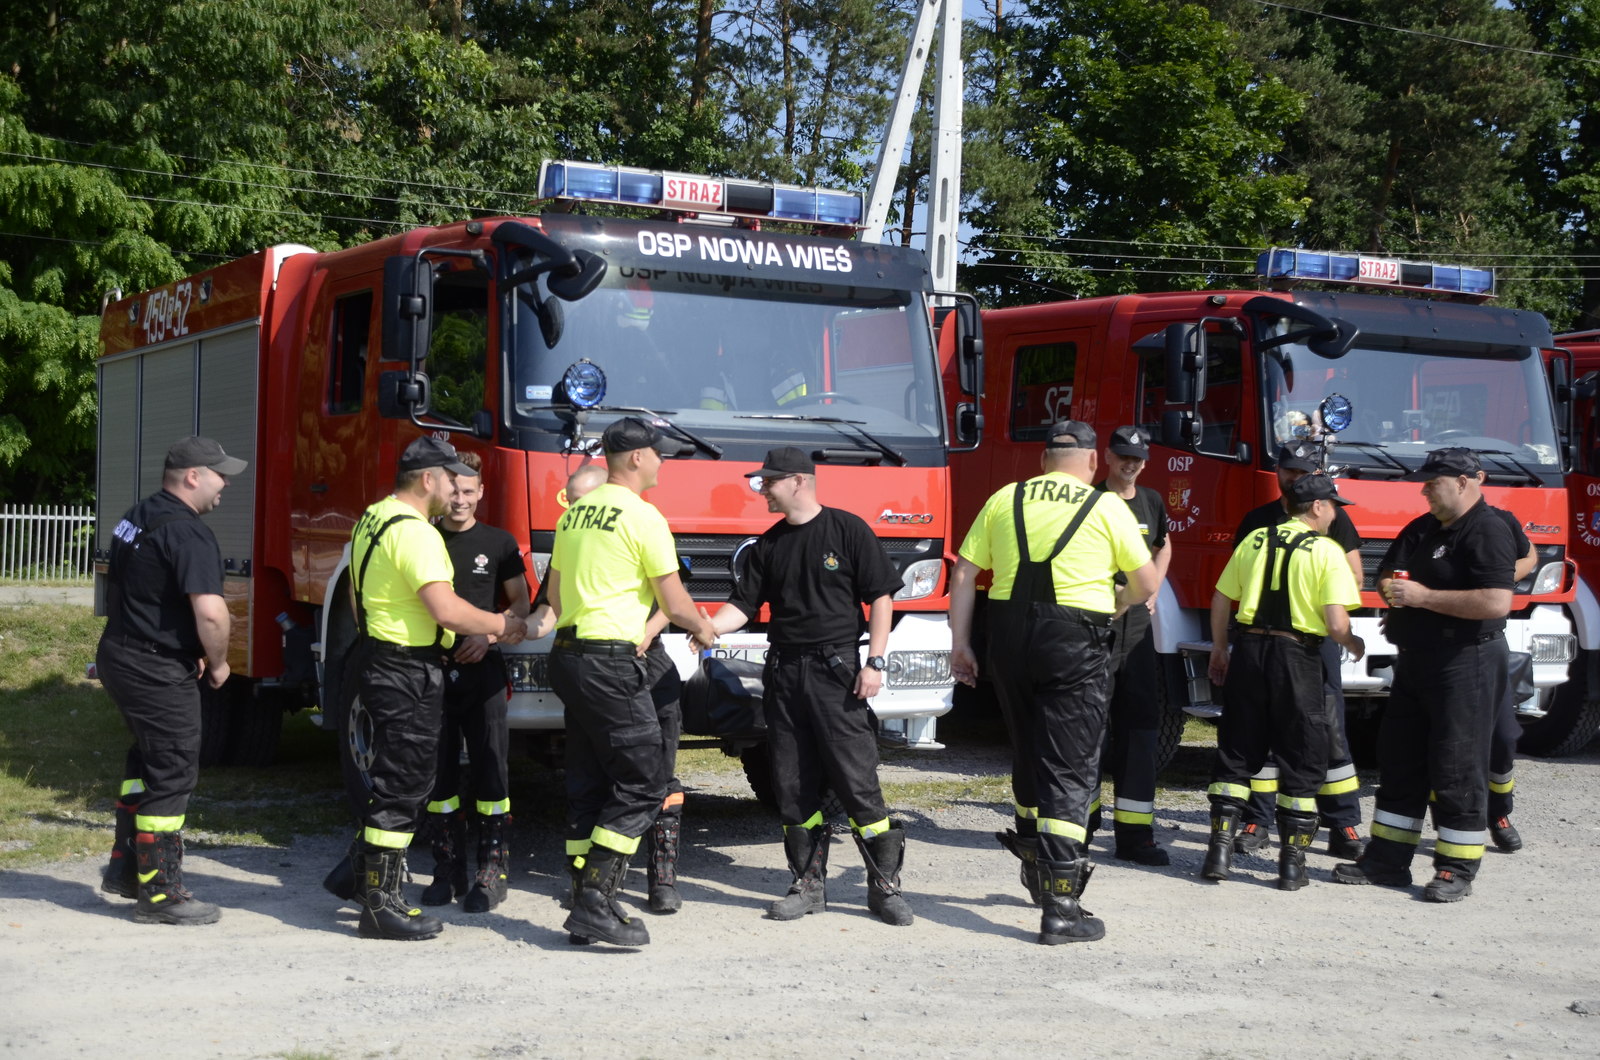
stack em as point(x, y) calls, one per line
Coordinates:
point(528, 673)
point(920, 579)
point(1553, 647)
point(918, 669)
point(1549, 578)
point(583, 385)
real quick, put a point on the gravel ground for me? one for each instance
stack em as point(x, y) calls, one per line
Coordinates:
point(1187, 968)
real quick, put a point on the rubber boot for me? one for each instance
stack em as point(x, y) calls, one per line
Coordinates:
point(884, 853)
point(1026, 848)
point(162, 897)
point(1065, 919)
point(122, 873)
point(447, 836)
point(661, 868)
point(1219, 854)
point(384, 913)
point(1505, 835)
point(807, 850)
point(494, 865)
point(1295, 834)
point(596, 916)
point(341, 879)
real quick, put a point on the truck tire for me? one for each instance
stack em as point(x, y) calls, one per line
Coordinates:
point(255, 722)
point(758, 771)
point(1171, 694)
point(1572, 714)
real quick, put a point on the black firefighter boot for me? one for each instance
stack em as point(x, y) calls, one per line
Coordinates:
point(1026, 848)
point(122, 874)
point(884, 853)
point(384, 913)
point(596, 916)
point(661, 868)
point(494, 861)
point(1065, 919)
point(807, 850)
point(1295, 833)
point(1219, 854)
point(447, 836)
point(162, 897)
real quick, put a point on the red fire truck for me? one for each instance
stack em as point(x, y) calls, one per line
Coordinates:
point(1573, 714)
point(1223, 378)
point(521, 339)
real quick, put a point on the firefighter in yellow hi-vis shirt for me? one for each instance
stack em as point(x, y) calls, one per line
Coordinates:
point(1049, 640)
point(613, 557)
point(1294, 587)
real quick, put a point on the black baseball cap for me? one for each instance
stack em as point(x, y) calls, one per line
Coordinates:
point(1301, 456)
point(195, 451)
point(1130, 441)
point(1447, 463)
point(1314, 487)
point(783, 462)
point(1070, 434)
point(630, 433)
point(429, 452)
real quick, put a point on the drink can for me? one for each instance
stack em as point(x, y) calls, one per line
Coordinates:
point(1402, 575)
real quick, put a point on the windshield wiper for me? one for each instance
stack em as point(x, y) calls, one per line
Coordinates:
point(711, 449)
point(1380, 450)
point(1507, 458)
point(834, 421)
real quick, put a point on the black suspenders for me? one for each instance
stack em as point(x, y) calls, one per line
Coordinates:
point(1272, 604)
point(1034, 582)
point(361, 578)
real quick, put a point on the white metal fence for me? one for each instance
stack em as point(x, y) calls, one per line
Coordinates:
point(46, 542)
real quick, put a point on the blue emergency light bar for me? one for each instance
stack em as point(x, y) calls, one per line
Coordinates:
point(690, 193)
point(1326, 267)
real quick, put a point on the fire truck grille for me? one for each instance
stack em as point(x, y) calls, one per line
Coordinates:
point(710, 559)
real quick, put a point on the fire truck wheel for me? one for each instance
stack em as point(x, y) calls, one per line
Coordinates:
point(214, 710)
point(1572, 714)
point(255, 722)
point(1169, 685)
point(355, 753)
point(758, 771)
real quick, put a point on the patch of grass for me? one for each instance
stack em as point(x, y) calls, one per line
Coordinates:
point(63, 745)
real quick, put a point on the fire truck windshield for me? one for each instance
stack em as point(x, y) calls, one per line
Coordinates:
point(1407, 401)
point(720, 355)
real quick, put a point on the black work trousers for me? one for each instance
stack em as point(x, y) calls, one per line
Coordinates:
point(1049, 665)
point(1133, 727)
point(159, 697)
point(403, 694)
point(1503, 757)
point(666, 688)
point(1435, 737)
point(820, 735)
point(1339, 797)
point(1273, 699)
point(616, 775)
point(475, 711)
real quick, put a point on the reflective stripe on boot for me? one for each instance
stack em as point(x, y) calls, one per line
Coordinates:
point(1219, 851)
point(884, 853)
point(384, 913)
point(162, 896)
point(1295, 834)
point(807, 851)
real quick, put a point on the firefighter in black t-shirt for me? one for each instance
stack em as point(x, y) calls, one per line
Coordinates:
point(816, 568)
point(166, 630)
point(1133, 721)
point(488, 568)
point(1339, 799)
point(1447, 618)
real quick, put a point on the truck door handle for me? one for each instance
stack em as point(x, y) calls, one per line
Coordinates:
point(319, 487)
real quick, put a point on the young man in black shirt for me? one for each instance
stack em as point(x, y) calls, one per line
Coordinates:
point(166, 630)
point(488, 569)
point(816, 569)
point(1133, 723)
point(1338, 800)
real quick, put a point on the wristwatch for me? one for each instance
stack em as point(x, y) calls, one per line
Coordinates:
point(877, 662)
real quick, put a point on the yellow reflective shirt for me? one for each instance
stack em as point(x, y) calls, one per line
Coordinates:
point(609, 546)
point(410, 554)
point(1319, 575)
point(1108, 541)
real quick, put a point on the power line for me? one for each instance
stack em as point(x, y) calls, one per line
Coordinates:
point(1429, 34)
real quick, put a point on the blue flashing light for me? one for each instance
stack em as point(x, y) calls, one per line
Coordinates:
point(1287, 264)
point(584, 384)
point(638, 187)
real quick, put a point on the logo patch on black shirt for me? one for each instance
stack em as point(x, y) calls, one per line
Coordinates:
point(830, 562)
point(1440, 551)
point(480, 564)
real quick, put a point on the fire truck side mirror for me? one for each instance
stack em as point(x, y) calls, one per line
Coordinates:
point(407, 309)
point(969, 423)
point(1185, 356)
point(403, 394)
point(1181, 429)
